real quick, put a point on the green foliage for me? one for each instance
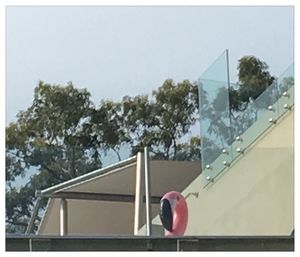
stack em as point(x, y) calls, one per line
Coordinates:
point(286, 83)
point(176, 112)
point(47, 137)
point(139, 119)
point(162, 122)
point(225, 114)
point(189, 151)
point(106, 127)
point(254, 78)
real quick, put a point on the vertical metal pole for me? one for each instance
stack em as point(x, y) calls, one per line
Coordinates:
point(148, 193)
point(139, 193)
point(30, 244)
point(63, 214)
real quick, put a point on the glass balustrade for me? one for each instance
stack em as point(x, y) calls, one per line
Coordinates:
point(215, 119)
point(227, 132)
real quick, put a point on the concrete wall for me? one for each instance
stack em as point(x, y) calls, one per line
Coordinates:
point(255, 196)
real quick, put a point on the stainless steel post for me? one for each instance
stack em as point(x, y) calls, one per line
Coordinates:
point(63, 214)
point(148, 193)
point(139, 193)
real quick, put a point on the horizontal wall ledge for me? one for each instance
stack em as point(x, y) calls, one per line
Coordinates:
point(143, 243)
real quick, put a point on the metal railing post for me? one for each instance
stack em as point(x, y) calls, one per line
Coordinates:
point(148, 193)
point(139, 193)
point(63, 215)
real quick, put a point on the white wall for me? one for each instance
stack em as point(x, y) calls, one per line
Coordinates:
point(255, 196)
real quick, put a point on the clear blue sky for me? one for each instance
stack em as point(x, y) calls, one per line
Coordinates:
point(117, 51)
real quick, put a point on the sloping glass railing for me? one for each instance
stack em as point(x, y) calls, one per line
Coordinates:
point(225, 133)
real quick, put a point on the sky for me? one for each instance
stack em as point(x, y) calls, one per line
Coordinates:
point(118, 51)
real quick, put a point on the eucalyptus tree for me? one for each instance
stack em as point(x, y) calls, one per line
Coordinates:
point(45, 146)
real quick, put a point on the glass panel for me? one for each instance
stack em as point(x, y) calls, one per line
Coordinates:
point(215, 121)
point(286, 79)
point(258, 116)
point(226, 134)
point(286, 90)
point(234, 126)
point(263, 112)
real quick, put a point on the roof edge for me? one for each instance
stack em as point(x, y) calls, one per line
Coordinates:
point(87, 176)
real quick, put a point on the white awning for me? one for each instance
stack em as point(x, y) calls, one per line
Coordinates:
point(102, 202)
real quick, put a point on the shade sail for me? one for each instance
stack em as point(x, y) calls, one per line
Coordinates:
point(115, 216)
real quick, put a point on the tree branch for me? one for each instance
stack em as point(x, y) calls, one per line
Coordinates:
point(52, 172)
point(117, 153)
